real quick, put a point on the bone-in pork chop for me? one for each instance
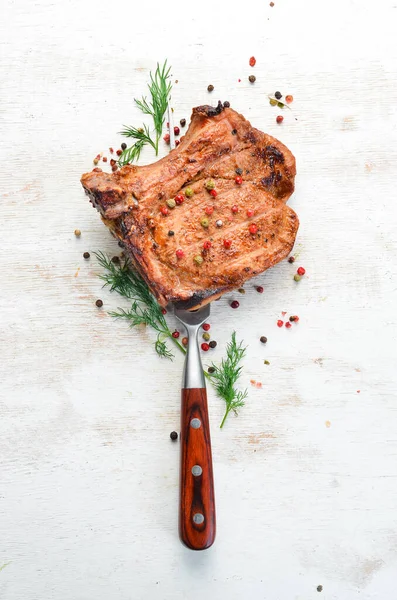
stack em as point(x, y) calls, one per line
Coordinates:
point(207, 217)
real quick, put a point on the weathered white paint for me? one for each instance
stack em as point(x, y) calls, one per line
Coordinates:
point(306, 476)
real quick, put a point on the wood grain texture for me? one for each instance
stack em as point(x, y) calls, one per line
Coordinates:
point(197, 498)
point(306, 475)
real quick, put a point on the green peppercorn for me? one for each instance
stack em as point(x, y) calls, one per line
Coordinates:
point(241, 290)
point(211, 369)
point(171, 203)
point(198, 260)
point(189, 192)
point(209, 185)
point(273, 102)
point(212, 344)
point(252, 78)
point(280, 104)
point(297, 277)
point(210, 88)
point(266, 362)
point(204, 222)
point(263, 339)
point(173, 435)
point(206, 336)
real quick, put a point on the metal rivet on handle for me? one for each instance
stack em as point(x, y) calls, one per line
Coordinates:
point(197, 470)
point(195, 423)
point(198, 518)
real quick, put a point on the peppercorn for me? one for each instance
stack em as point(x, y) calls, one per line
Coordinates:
point(279, 119)
point(271, 4)
point(119, 152)
point(179, 253)
point(95, 161)
point(288, 325)
point(205, 346)
point(189, 192)
point(175, 334)
point(253, 228)
point(301, 271)
point(114, 168)
point(164, 210)
point(259, 289)
point(163, 311)
point(207, 245)
point(204, 222)
point(250, 212)
point(209, 210)
point(263, 339)
point(210, 88)
point(289, 99)
point(171, 203)
point(206, 336)
point(209, 185)
point(167, 138)
point(213, 344)
point(211, 369)
point(238, 180)
point(105, 159)
point(77, 232)
point(99, 303)
point(291, 259)
point(111, 150)
point(177, 142)
point(226, 104)
point(115, 260)
point(123, 146)
point(227, 244)
point(280, 323)
point(234, 131)
point(278, 95)
point(266, 362)
point(252, 61)
point(182, 122)
point(252, 78)
point(179, 198)
point(241, 290)
point(319, 588)
point(171, 233)
point(185, 341)
point(213, 193)
point(235, 304)
point(280, 104)
point(86, 255)
point(112, 162)
point(219, 223)
point(272, 102)
point(206, 326)
point(294, 318)
point(235, 209)
point(173, 435)
point(198, 260)
point(176, 130)
point(297, 278)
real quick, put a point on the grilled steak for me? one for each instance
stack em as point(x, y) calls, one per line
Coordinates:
point(191, 255)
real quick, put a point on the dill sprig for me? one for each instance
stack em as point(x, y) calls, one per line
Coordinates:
point(226, 375)
point(160, 89)
point(144, 309)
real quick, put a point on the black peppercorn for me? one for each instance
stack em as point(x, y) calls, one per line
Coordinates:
point(212, 344)
point(239, 171)
point(226, 104)
point(291, 259)
point(173, 435)
point(234, 131)
point(210, 88)
point(252, 78)
point(171, 233)
point(182, 122)
point(263, 339)
point(319, 588)
point(115, 260)
point(278, 95)
point(99, 303)
point(86, 255)
point(123, 146)
point(211, 369)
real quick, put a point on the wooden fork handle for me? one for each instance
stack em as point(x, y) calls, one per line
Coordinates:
point(197, 523)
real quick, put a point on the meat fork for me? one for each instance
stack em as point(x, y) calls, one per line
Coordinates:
point(197, 522)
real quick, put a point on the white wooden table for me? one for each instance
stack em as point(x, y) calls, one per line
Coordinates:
point(306, 476)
